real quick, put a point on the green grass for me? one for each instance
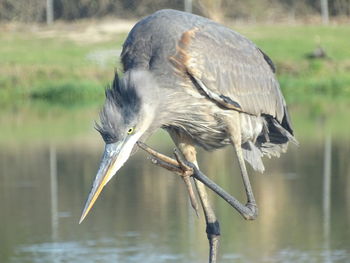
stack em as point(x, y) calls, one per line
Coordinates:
point(55, 70)
point(68, 92)
point(291, 43)
point(40, 75)
point(301, 78)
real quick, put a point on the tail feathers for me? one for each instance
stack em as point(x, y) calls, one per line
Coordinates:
point(284, 132)
point(271, 142)
point(252, 155)
point(270, 149)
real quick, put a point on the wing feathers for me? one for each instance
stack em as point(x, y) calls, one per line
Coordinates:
point(230, 70)
point(222, 100)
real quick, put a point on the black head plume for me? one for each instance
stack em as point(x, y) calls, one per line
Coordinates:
point(121, 106)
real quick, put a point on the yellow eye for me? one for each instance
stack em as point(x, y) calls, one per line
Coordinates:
point(131, 130)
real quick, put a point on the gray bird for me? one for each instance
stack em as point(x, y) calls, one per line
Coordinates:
point(207, 86)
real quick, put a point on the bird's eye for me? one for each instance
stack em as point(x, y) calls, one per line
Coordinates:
point(131, 131)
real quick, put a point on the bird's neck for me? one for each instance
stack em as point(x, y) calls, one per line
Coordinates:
point(162, 101)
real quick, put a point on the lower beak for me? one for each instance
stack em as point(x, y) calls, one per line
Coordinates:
point(114, 156)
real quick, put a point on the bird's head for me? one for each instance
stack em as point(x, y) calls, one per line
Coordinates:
point(127, 117)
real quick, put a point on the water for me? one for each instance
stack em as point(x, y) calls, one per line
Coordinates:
point(143, 215)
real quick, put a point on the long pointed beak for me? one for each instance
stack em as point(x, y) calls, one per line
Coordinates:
point(114, 156)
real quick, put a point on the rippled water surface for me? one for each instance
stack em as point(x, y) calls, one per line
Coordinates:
point(143, 215)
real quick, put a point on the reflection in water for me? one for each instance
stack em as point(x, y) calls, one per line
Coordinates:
point(327, 172)
point(54, 204)
point(53, 192)
point(144, 214)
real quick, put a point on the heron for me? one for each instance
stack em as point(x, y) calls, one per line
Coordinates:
point(207, 86)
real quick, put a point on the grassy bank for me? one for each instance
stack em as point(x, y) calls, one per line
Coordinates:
point(58, 70)
point(305, 80)
point(41, 73)
point(54, 69)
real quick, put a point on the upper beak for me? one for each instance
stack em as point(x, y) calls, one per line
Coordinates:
point(114, 156)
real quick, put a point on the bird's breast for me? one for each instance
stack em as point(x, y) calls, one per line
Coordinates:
point(199, 119)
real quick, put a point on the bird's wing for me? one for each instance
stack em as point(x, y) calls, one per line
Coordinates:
point(230, 70)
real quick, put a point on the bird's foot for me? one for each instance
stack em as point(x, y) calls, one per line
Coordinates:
point(178, 166)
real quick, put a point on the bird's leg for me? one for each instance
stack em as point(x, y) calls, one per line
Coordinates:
point(250, 210)
point(213, 227)
point(181, 167)
point(185, 145)
point(157, 159)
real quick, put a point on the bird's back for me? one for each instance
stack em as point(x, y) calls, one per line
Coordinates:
point(155, 37)
point(229, 64)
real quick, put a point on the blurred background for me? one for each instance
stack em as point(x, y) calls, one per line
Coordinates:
point(56, 58)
